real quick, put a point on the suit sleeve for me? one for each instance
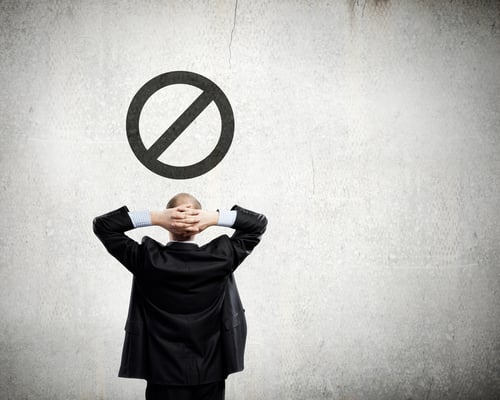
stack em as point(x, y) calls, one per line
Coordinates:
point(249, 227)
point(110, 228)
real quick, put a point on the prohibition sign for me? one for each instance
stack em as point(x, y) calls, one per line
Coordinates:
point(210, 92)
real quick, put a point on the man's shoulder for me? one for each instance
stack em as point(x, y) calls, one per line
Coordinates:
point(149, 241)
point(221, 242)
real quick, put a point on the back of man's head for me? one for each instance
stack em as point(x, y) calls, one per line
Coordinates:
point(183, 198)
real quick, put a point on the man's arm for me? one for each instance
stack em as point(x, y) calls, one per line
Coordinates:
point(110, 228)
point(249, 227)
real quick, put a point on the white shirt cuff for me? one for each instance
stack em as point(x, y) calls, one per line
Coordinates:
point(226, 218)
point(140, 218)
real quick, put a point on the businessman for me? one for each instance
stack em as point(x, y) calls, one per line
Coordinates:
point(186, 329)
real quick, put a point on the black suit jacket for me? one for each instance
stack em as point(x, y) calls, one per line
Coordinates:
point(186, 324)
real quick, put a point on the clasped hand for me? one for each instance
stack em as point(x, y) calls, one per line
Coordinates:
point(184, 220)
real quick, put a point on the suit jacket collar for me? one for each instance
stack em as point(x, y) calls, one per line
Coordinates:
point(182, 245)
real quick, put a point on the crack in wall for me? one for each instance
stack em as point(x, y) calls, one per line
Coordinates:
point(376, 4)
point(232, 31)
point(430, 388)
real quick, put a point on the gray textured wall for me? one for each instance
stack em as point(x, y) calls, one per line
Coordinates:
point(367, 132)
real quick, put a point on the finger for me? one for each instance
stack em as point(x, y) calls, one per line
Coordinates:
point(192, 211)
point(178, 215)
point(186, 222)
point(182, 229)
point(187, 215)
point(188, 211)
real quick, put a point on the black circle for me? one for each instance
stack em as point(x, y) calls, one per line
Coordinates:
point(210, 92)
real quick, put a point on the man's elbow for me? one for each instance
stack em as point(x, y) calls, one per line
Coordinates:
point(97, 226)
point(262, 219)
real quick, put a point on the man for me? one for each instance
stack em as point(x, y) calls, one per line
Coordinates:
point(186, 329)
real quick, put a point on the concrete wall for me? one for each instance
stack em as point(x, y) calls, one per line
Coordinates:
point(367, 132)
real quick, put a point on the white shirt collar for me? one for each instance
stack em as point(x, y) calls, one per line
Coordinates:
point(182, 241)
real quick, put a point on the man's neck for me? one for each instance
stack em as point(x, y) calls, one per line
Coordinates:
point(178, 239)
